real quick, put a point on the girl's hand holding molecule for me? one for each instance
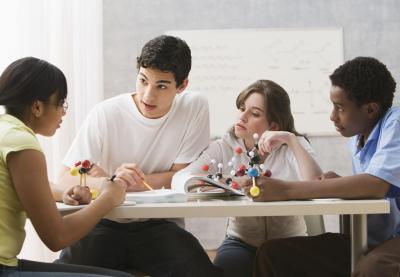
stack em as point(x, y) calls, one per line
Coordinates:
point(77, 195)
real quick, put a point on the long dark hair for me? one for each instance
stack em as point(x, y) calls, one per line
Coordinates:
point(27, 80)
point(276, 103)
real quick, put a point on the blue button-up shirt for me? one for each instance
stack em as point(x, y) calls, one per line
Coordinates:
point(380, 157)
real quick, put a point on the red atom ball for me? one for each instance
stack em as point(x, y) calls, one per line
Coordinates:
point(235, 185)
point(267, 173)
point(86, 164)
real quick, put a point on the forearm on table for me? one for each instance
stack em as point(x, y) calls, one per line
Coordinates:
point(65, 181)
point(160, 180)
point(56, 192)
point(360, 186)
point(164, 179)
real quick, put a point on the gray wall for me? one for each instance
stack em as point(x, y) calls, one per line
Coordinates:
point(370, 27)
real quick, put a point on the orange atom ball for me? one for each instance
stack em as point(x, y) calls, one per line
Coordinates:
point(238, 150)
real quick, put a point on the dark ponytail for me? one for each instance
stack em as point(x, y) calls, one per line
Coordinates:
point(27, 80)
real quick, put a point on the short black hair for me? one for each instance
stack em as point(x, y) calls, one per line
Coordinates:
point(167, 53)
point(366, 80)
point(27, 80)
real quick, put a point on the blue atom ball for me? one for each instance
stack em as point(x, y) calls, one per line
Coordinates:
point(252, 172)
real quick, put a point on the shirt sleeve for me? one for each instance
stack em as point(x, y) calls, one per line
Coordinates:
point(385, 163)
point(214, 151)
point(197, 136)
point(16, 141)
point(87, 144)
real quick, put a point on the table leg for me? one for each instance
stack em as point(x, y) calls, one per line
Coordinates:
point(358, 233)
point(344, 224)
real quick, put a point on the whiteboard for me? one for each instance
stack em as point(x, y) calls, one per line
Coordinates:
point(224, 62)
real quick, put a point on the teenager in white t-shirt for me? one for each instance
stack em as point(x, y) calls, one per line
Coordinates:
point(149, 134)
point(264, 109)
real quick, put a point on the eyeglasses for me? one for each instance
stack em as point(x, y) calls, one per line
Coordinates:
point(64, 106)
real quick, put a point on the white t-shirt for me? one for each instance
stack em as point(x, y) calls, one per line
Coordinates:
point(115, 132)
point(283, 165)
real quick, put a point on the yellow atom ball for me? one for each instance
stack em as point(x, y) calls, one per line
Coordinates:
point(94, 193)
point(255, 191)
point(74, 171)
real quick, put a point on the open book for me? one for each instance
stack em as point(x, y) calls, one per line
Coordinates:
point(204, 187)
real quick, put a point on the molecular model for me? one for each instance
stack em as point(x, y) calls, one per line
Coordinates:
point(253, 170)
point(82, 168)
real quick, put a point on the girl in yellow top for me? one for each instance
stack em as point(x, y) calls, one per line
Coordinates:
point(33, 93)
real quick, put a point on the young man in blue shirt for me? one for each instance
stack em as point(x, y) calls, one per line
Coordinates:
point(362, 94)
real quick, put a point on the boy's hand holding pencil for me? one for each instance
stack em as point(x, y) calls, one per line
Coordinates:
point(134, 176)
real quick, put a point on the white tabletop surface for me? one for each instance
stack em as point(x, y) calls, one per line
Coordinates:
point(243, 207)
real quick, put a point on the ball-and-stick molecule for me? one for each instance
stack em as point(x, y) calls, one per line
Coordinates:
point(82, 168)
point(255, 168)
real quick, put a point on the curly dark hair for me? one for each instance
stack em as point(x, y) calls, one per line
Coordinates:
point(167, 53)
point(366, 80)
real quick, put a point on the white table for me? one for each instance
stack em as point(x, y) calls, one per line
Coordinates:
point(357, 209)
